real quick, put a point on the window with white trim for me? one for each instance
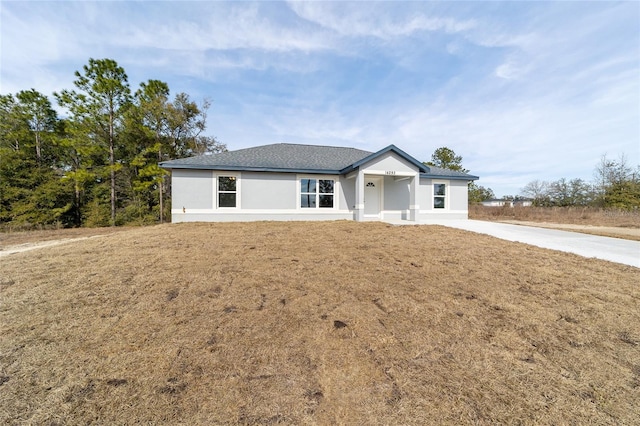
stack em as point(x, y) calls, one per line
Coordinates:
point(227, 191)
point(439, 195)
point(317, 193)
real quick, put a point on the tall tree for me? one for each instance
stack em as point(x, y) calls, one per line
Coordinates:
point(99, 107)
point(446, 158)
point(153, 108)
point(39, 116)
point(82, 159)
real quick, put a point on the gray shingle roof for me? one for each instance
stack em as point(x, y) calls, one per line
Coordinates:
point(281, 156)
point(297, 158)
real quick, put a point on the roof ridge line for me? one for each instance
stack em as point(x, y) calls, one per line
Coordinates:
point(317, 145)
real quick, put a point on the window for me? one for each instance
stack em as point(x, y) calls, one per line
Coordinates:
point(439, 195)
point(316, 193)
point(227, 191)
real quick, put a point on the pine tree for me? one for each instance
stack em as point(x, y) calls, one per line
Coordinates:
point(98, 110)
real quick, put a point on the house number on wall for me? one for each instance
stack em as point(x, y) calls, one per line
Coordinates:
point(389, 172)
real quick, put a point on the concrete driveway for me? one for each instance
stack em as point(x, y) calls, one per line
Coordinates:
point(613, 249)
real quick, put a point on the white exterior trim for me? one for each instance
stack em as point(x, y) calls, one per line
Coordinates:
point(250, 216)
point(299, 211)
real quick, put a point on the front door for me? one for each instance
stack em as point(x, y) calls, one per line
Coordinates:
point(372, 187)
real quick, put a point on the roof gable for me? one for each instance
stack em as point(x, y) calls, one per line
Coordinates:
point(391, 148)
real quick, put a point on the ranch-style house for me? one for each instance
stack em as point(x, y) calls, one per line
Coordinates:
point(310, 182)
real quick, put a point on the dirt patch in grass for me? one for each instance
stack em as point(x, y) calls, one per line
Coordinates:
point(21, 238)
point(315, 323)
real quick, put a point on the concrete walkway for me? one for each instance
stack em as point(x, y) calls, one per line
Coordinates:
point(613, 249)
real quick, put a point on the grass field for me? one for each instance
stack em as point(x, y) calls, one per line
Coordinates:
point(315, 323)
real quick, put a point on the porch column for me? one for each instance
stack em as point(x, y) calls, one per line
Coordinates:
point(359, 207)
point(413, 190)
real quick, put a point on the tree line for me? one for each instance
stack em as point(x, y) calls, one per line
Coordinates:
point(97, 165)
point(616, 185)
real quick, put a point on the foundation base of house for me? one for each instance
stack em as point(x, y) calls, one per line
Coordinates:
point(400, 218)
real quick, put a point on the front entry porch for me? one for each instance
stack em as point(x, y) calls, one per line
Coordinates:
point(399, 186)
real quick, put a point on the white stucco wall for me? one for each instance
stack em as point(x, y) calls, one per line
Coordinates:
point(192, 189)
point(459, 193)
point(347, 193)
point(396, 193)
point(278, 192)
point(424, 196)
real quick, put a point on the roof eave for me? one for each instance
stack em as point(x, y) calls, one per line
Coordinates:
point(248, 169)
point(467, 177)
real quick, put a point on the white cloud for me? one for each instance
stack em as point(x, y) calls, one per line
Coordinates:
point(374, 19)
point(511, 70)
point(241, 27)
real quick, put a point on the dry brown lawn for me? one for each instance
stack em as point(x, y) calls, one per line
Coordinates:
point(315, 323)
point(587, 220)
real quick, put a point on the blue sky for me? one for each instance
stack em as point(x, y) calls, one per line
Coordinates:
point(522, 90)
